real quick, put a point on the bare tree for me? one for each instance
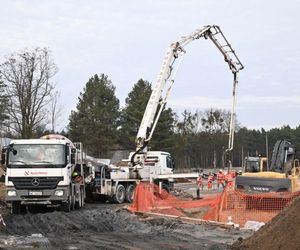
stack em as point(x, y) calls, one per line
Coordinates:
point(188, 124)
point(26, 76)
point(217, 120)
point(213, 121)
point(55, 111)
point(3, 103)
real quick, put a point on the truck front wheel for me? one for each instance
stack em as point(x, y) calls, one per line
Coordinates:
point(119, 196)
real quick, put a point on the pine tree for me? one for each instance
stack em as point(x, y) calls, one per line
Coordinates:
point(95, 121)
point(132, 115)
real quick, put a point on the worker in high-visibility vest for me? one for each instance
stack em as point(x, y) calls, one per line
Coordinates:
point(229, 180)
point(200, 181)
point(220, 179)
point(210, 181)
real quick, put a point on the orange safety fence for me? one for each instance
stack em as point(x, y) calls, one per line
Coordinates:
point(241, 207)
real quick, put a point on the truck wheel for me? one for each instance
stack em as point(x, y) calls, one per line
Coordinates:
point(15, 207)
point(130, 193)
point(119, 196)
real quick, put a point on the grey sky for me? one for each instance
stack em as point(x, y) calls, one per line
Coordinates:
point(127, 41)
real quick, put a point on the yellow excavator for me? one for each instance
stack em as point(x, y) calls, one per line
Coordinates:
point(281, 176)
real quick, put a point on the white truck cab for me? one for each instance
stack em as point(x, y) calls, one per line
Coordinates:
point(156, 163)
point(39, 172)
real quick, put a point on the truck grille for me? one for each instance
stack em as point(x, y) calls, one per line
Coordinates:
point(35, 182)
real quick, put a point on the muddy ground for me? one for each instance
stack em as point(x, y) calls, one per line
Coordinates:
point(107, 226)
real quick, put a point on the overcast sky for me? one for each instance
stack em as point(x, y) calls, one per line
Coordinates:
point(127, 40)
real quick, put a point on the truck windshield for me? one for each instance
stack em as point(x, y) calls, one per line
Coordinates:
point(33, 155)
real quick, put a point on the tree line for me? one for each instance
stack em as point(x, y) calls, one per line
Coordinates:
point(29, 102)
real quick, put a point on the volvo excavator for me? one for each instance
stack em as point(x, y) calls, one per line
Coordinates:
point(282, 175)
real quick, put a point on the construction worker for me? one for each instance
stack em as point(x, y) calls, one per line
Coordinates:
point(229, 180)
point(76, 177)
point(210, 181)
point(199, 183)
point(220, 179)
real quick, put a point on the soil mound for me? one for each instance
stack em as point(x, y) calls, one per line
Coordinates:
point(282, 232)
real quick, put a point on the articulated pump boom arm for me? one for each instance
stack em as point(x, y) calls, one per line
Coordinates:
point(167, 75)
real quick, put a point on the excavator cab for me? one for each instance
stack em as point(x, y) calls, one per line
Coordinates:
point(255, 164)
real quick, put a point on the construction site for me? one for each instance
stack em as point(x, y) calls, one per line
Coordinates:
point(141, 176)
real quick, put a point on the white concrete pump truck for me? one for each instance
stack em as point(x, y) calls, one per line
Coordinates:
point(118, 183)
point(40, 172)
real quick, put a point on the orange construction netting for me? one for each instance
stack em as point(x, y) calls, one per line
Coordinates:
point(239, 206)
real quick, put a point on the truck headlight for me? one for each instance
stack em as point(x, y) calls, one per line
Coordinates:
point(59, 193)
point(11, 193)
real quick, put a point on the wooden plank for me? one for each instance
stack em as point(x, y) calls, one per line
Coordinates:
point(187, 220)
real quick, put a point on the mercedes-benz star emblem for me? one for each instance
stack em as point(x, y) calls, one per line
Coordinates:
point(35, 182)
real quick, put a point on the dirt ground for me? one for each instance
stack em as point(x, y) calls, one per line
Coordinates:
point(111, 226)
point(108, 226)
point(283, 232)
